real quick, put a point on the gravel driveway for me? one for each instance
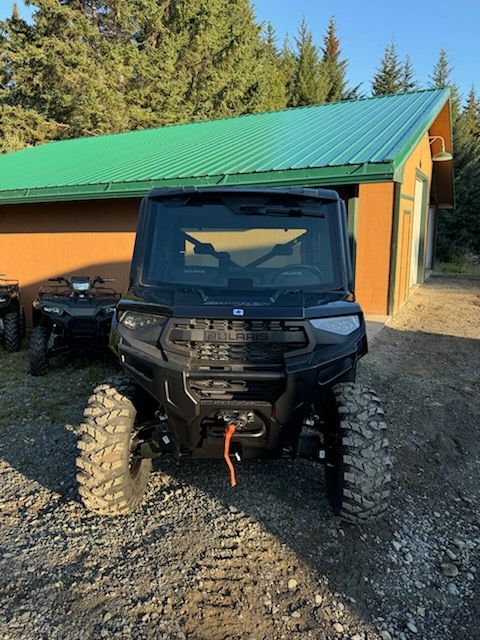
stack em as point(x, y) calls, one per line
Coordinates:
point(266, 560)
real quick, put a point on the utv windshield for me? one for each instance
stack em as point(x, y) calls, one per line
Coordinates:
point(246, 243)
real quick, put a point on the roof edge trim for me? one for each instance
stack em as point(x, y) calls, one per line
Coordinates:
point(335, 175)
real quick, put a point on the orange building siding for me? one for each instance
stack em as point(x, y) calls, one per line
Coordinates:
point(373, 239)
point(41, 241)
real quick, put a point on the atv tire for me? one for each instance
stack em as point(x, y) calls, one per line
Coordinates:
point(110, 482)
point(358, 461)
point(11, 332)
point(39, 351)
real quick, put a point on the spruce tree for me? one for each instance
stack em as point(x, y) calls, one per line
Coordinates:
point(219, 54)
point(388, 78)
point(14, 33)
point(472, 112)
point(273, 88)
point(408, 79)
point(65, 72)
point(335, 68)
point(309, 78)
point(440, 77)
point(97, 67)
point(20, 128)
point(288, 66)
point(458, 230)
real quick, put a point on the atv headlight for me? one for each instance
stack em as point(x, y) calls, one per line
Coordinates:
point(138, 320)
point(80, 286)
point(341, 325)
point(56, 310)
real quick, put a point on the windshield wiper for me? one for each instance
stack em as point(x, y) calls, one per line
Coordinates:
point(262, 209)
point(257, 209)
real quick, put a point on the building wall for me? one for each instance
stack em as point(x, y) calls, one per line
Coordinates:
point(419, 164)
point(40, 241)
point(373, 240)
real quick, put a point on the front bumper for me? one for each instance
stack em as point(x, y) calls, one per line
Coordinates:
point(195, 396)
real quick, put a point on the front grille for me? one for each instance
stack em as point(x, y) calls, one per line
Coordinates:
point(237, 390)
point(257, 343)
point(83, 326)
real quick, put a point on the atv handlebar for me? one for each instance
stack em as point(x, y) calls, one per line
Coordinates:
point(60, 279)
point(101, 280)
point(93, 281)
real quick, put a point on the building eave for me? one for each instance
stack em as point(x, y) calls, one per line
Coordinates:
point(334, 175)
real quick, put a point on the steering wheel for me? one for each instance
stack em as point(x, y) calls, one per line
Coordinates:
point(313, 269)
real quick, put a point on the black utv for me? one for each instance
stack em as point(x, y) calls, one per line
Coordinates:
point(72, 315)
point(239, 337)
point(12, 315)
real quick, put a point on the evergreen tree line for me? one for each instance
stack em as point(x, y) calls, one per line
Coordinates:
point(83, 67)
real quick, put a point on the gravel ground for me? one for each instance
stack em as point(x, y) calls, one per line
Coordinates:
point(266, 560)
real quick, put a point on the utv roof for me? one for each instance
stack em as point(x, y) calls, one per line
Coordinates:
point(323, 194)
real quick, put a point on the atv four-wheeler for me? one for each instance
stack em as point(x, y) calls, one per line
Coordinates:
point(12, 316)
point(74, 314)
point(239, 337)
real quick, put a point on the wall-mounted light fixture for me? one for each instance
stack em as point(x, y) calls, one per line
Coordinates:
point(443, 155)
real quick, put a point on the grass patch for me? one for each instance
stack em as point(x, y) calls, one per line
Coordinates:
point(54, 398)
point(462, 264)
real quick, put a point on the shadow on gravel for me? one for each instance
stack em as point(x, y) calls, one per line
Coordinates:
point(289, 501)
point(431, 394)
point(45, 413)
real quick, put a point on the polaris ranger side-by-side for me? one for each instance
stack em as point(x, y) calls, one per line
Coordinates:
point(71, 315)
point(239, 337)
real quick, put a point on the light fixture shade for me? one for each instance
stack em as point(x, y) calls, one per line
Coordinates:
point(442, 156)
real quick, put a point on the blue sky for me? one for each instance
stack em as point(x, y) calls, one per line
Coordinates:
point(419, 29)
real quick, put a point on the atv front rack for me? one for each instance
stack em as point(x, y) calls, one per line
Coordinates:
point(8, 283)
point(65, 291)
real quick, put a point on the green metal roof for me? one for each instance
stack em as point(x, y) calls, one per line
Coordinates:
point(338, 143)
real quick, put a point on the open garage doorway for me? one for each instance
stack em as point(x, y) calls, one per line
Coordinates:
point(416, 255)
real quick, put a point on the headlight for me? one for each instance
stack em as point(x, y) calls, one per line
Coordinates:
point(80, 286)
point(137, 320)
point(3, 299)
point(56, 310)
point(341, 325)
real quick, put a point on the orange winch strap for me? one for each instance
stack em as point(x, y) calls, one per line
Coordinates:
point(229, 431)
